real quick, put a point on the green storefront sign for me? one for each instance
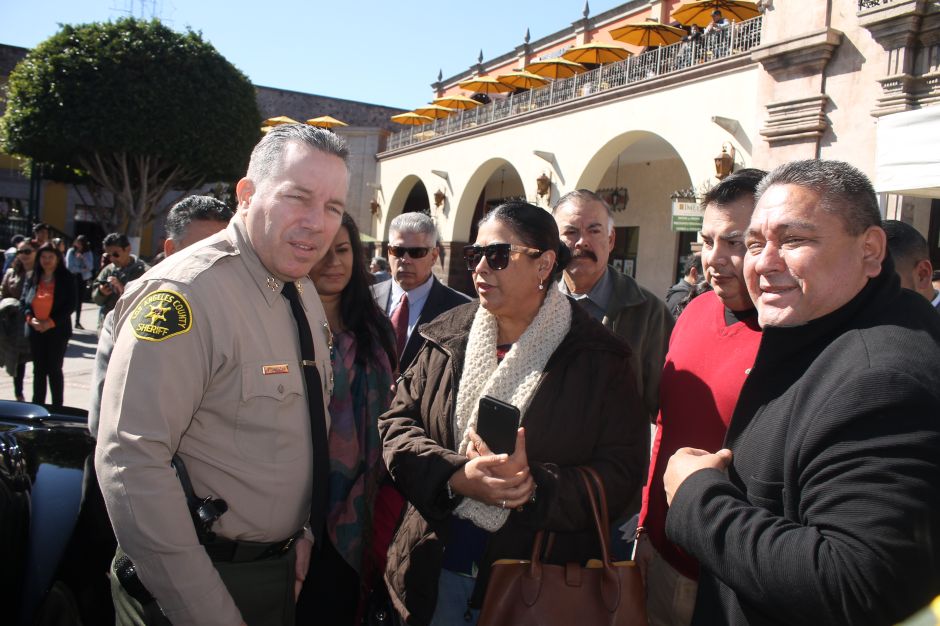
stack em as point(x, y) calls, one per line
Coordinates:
point(686, 216)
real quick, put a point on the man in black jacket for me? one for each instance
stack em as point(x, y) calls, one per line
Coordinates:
point(824, 506)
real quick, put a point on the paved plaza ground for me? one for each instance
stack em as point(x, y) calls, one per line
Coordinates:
point(79, 361)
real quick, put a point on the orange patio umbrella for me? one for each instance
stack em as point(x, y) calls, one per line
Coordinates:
point(277, 121)
point(555, 68)
point(326, 121)
point(434, 111)
point(484, 84)
point(522, 80)
point(411, 119)
point(700, 12)
point(648, 33)
point(457, 102)
point(596, 53)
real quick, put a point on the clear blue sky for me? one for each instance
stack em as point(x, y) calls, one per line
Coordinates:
point(378, 51)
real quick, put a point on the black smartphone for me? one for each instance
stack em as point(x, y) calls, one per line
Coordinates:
point(497, 424)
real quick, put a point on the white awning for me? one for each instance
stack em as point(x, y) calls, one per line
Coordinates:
point(907, 158)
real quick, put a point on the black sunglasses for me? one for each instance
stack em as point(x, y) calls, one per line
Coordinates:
point(497, 254)
point(414, 252)
point(25, 251)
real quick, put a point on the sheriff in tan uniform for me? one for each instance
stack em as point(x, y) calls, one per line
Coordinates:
point(207, 365)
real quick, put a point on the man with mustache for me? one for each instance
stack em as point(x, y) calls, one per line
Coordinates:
point(221, 358)
point(712, 347)
point(586, 225)
point(823, 505)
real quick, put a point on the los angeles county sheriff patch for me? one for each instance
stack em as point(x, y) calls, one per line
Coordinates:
point(161, 315)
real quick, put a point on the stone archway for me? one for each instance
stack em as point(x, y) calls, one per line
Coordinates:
point(493, 180)
point(637, 172)
point(411, 194)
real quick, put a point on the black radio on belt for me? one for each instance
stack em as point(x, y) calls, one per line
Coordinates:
point(204, 511)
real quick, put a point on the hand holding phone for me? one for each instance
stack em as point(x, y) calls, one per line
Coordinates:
point(497, 423)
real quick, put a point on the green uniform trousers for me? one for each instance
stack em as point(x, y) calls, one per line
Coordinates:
point(263, 591)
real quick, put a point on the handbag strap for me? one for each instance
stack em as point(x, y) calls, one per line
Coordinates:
point(594, 487)
point(598, 499)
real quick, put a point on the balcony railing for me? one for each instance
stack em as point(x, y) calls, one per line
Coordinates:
point(870, 4)
point(738, 39)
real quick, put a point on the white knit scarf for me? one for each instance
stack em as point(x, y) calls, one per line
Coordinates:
point(512, 380)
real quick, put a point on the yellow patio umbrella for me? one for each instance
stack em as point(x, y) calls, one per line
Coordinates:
point(522, 80)
point(648, 33)
point(277, 121)
point(326, 121)
point(411, 119)
point(555, 68)
point(434, 111)
point(484, 84)
point(457, 102)
point(700, 12)
point(596, 53)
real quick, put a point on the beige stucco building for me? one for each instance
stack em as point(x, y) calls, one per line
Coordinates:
point(837, 79)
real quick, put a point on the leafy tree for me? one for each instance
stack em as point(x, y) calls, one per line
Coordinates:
point(134, 108)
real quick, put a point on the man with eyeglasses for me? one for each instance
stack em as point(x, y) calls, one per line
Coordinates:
point(413, 296)
point(123, 268)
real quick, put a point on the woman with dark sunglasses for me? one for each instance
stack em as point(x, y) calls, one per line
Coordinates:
point(49, 300)
point(526, 344)
point(16, 348)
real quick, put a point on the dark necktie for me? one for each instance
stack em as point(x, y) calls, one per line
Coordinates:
point(400, 323)
point(321, 452)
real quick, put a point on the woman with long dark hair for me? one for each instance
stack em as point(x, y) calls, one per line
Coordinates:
point(16, 348)
point(364, 358)
point(49, 300)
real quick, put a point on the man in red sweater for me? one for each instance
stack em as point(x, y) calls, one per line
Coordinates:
point(710, 353)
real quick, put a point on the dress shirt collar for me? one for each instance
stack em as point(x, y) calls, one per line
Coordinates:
point(416, 297)
point(597, 299)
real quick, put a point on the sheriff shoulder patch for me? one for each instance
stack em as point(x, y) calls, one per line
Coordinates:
point(161, 315)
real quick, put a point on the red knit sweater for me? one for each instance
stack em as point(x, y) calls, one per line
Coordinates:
point(705, 369)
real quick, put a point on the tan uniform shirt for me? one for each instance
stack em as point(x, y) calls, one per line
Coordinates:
point(206, 363)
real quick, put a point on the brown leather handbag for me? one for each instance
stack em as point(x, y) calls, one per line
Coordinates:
point(524, 593)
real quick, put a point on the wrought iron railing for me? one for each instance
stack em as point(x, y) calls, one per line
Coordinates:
point(739, 39)
point(870, 4)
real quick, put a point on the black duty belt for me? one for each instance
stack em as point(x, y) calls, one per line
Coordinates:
point(225, 550)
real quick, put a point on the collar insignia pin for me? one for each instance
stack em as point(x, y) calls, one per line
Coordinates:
point(272, 283)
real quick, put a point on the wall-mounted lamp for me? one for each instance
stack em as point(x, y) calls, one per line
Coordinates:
point(439, 198)
point(374, 205)
point(724, 162)
point(543, 184)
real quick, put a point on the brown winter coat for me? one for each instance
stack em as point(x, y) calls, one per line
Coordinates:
point(586, 411)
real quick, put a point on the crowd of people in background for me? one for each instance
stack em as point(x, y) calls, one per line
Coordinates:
point(758, 370)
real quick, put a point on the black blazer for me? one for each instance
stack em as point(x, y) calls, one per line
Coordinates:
point(440, 299)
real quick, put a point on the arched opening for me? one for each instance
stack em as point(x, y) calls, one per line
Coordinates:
point(417, 200)
point(495, 181)
point(410, 195)
point(638, 173)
